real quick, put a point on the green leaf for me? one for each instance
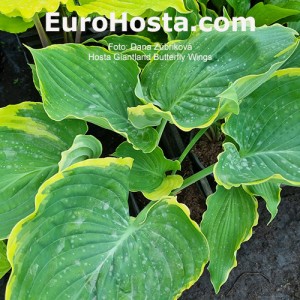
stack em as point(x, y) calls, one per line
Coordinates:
point(294, 60)
point(35, 77)
point(226, 14)
point(83, 148)
point(75, 84)
point(132, 7)
point(193, 20)
point(4, 264)
point(28, 8)
point(192, 99)
point(286, 3)
point(295, 24)
point(30, 149)
point(169, 184)
point(205, 1)
point(14, 25)
point(267, 133)
point(269, 14)
point(226, 224)
point(270, 192)
point(240, 7)
point(152, 166)
point(206, 12)
point(90, 248)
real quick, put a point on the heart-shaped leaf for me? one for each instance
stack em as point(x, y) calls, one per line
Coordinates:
point(267, 132)
point(152, 166)
point(132, 7)
point(76, 83)
point(4, 264)
point(206, 65)
point(30, 149)
point(81, 243)
point(226, 224)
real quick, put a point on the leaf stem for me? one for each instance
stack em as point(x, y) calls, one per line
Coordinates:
point(160, 129)
point(41, 31)
point(67, 35)
point(194, 178)
point(191, 144)
point(78, 32)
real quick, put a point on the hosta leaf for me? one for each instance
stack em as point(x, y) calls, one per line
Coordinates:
point(28, 8)
point(294, 4)
point(193, 20)
point(14, 25)
point(74, 85)
point(152, 166)
point(295, 24)
point(226, 14)
point(90, 248)
point(270, 192)
point(205, 1)
point(240, 7)
point(170, 183)
point(35, 78)
point(4, 264)
point(30, 149)
point(192, 100)
point(269, 14)
point(226, 224)
point(132, 7)
point(294, 60)
point(206, 12)
point(83, 148)
point(267, 132)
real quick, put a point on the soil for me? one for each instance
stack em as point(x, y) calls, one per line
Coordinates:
point(192, 196)
point(207, 151)
point(268, 265)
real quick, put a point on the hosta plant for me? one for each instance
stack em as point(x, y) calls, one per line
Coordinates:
point(65, 211)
